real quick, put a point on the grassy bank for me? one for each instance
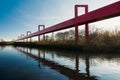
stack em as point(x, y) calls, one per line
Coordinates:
point(71, 47)
point(67, 47)
point(99, 41)
point(6, 43)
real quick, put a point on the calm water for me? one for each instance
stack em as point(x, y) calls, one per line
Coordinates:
point(32, 64)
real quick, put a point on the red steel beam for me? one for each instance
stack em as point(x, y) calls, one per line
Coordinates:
point(76, 25)
point(112, 10)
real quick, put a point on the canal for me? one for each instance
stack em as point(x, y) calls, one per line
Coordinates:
point(18, 63)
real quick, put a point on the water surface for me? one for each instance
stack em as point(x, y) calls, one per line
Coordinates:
point(32, 64)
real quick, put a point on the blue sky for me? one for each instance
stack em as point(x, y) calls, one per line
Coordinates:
point(19, 16)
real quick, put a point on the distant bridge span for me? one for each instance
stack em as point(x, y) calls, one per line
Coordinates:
point(112, 10)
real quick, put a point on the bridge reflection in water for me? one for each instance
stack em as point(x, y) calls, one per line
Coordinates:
point(72, 74)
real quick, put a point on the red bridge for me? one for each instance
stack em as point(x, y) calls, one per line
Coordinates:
point(112, 10)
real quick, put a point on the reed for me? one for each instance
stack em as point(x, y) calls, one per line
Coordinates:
point(99, 41)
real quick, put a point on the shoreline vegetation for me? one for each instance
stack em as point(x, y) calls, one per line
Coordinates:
point(66, 47)
point(99, 42)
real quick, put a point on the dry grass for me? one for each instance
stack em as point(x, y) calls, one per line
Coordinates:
point(105, 38)
point(97, 37)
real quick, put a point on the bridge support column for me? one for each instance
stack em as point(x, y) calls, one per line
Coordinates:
point(43, 26)
point(22, 35)
point(39, 38)
point(27, 39)
point(18, 39)
point(76, 24)
point(30, 39)
point(28, 33)
point(38, 31)
point(86, 27)
point(52, 36)
point(43, 34)
point(86, 33)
